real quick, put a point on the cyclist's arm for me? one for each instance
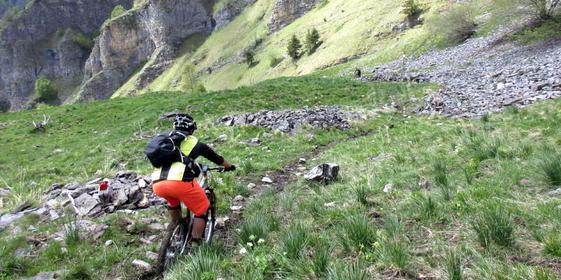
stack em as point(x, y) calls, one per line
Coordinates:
point(208, 153)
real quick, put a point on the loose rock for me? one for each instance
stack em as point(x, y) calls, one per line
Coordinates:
point(142, 265)
point(325, 173)
point(267, 180)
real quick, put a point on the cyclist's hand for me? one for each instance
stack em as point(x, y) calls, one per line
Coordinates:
point(230, 168)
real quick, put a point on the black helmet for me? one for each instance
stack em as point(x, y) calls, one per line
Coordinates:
point(184, 122)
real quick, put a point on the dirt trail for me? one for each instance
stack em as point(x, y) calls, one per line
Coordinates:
point(281, 179)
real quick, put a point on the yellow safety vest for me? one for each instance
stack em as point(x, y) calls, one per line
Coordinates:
point(176, 171)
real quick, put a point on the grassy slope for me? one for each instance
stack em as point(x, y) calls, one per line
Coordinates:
point(97, 139)
point(347, 28)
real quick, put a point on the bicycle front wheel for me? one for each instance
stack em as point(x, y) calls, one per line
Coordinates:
point(209, 228)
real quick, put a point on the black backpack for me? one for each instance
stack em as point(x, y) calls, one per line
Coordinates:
point(164, 149)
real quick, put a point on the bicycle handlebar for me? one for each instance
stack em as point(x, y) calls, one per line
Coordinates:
point(206, 168)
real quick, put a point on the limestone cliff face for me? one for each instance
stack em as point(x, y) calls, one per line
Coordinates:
point(8, 4)
point(148, 35)
point(42, 42)
point(287, 11)
point(227, 13)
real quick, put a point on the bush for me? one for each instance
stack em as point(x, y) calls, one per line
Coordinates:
point(544, 9)
point(494, 224)
point(117, 11)
point(249, 57)
point(411, 8)
point(45, 91)
point(456, 24)
point(83, 41)
point(312, 41)
point(274, 61)
point(294, 47)
point(4, 104)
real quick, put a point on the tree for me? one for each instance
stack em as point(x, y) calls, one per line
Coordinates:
point(545, 9)
point(312, 41)
point(45, 91)
point(411, 8)
point(188, 78)
point(294, 47)
point(249, 56)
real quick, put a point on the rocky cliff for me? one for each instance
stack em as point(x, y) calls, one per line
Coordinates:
point(287, 11)
point(6, 5)
point(148, 36)
point(49, 38)
point(229, 11)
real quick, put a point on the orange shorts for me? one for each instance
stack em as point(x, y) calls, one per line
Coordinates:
point(190, 193)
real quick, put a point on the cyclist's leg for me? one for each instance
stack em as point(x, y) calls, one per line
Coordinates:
point(164, 189)
point(195, 199)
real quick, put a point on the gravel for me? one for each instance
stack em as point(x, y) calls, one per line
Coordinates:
point(480, 76)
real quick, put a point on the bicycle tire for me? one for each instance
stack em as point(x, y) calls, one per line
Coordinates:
point(171, 245)
point(211, 219)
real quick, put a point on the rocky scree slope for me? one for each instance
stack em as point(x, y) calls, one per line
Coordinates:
point(40, 42)
point(482, 75)
point(148, 35)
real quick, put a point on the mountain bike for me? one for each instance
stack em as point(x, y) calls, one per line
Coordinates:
point(178, 235)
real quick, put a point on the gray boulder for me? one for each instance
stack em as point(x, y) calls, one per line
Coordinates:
point(325, 173)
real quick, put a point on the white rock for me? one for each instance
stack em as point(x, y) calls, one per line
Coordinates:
point(236, 208)
point(108, 243)
point(251, 186)
point(238, 198)
point(329, 205)
point(302, 161)
point(267, 180)
point(142, 264)
point(151, 256)
point(222, 138)
point(388, 188)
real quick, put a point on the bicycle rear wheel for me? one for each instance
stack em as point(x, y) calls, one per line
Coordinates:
point(172, 245)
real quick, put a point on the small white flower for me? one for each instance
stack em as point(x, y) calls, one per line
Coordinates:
point(260, 241)
point(252, 237)
point(243, 251)
point(249, 244)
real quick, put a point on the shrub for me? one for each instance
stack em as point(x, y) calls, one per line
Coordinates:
point(274, 61)
point(4, 104)
point(117, 11)
point(45, 91)
point(456, 24)
point(411, 8)
point(249, 57)
point(494, 224)
point(544, 9)
point(312, 41)
point(551, 166)
point(294, 47)
point(83, 41)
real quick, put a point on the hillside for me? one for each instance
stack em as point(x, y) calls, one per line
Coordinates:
point(444, 126)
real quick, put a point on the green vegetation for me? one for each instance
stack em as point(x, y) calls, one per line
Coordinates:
point(10, 15)
point(117, 11)
point(45, 92)
point(411, 8)
point(83, 41)
point(456, 24)
point(294, 48)
point(249, 57)
point(312, 41)
point(545, 9)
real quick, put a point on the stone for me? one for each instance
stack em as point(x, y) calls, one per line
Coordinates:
point(326, 173)
point(86, 203)
point(89, 229)
point(251, 186)
point(144, 202)
point(388, 188)
point(329, 205)
point(555, 192)
point(222, 138)
point(156, 227)
point(238, 198)
point(46, 276)
point(142, 183)
point(151, 256)
point(267, 180)
point(236, 208)
point(4, 192)
point(142, 265)
point(72, 186)
point(108, 243)
point(302, 161)
point(221, 222)
point(524, 183)
point(120, 198)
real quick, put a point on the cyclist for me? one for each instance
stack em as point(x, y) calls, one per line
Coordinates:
point(176, 183)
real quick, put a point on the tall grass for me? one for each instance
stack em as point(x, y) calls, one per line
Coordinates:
point(294, 240)
point(342, 271)
point(427, 208)
point(358, 232)
point(453, 265)
point(440, 175)
point(494, 224)
point(550, 164)
point(256, 227)
point(321, 258)
point(394, 247)
point(204, 264)
point(552, 244)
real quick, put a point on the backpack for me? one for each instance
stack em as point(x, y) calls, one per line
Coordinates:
point(164, 149)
